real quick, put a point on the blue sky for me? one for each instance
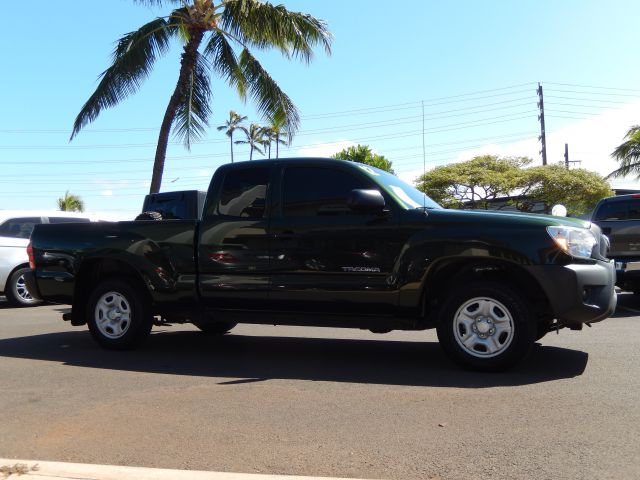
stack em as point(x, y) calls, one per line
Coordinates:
point(474, 67)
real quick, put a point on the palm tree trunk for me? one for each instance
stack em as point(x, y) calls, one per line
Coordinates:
point(231, 137)
point(277, 145)
point(251, 153)
point(187, 64)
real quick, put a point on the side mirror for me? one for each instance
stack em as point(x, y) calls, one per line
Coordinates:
point(366, 201)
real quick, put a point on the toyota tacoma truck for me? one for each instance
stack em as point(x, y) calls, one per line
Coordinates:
point(333, 243)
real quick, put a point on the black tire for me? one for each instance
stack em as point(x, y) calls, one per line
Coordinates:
point(130, 309)
point(149, 216)
point(215, 328)
point(497, 331)
point(16, 290)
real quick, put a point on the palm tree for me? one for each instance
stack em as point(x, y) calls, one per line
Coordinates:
point(231, 125)
point(221, 28)
point(268, 137)
point(278, 134)
point(255, 137)
point(70, 203)
point(628, 154)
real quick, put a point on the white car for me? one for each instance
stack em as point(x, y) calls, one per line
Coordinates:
point(15, 230)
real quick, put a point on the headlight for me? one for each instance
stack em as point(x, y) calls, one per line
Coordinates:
point(578, 242)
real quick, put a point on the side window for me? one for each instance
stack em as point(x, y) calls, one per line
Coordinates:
point(313, 191)
point(612, 211)
point(19, 227)
point(244, 193)
point(68, 220)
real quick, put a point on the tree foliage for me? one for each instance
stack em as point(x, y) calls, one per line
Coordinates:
point(476, 182)
point(228, 31)
point(363, 154)
point(628, 154)
point(70, 203)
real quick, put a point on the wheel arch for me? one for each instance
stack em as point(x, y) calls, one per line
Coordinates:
point(98, 270)
point(444, 276)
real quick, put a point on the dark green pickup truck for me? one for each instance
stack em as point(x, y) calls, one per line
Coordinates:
point(330, 243)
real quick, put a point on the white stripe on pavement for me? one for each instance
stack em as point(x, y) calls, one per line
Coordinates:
point(37, 470)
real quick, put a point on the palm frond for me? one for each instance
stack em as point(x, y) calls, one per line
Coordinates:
point(628, 154)
point(193, 111)
point(157, 3)
point(224, 61)
point(133, 59)
point(264, 25)
point(271, 101)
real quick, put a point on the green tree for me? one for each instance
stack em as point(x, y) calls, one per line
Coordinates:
point(70, 203)
point(577, 189)
point(231, 126)
point(473, 182)
point(221, 28)
point(255, 138)
point(628, 154)
point(477, 181)
point(363, 154)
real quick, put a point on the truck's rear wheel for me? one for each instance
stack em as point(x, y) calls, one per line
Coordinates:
point(486, 326)
point(118, 315)
point(216, 328)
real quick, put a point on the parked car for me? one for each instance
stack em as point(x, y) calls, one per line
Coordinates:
point(321, 242)
point(15, 229)
point(619, 219)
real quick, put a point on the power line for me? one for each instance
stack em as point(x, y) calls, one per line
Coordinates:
point(592, 86)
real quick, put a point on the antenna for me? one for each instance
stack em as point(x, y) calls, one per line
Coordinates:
point(424, 158)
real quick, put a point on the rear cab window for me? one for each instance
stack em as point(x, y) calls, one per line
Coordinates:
point(618, 210)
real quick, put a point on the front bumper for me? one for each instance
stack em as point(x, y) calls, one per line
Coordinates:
point(579, 293)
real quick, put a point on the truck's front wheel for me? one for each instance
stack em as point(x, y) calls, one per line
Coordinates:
point(118, 315)
point(486, 326)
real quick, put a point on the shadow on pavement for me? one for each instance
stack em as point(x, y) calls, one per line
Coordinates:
point(245, 359)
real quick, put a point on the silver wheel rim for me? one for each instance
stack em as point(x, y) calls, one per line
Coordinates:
point(113, 315)
point(483, 327)
point(21, 290)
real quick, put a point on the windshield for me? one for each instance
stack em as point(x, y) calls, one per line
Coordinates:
point(407, 196)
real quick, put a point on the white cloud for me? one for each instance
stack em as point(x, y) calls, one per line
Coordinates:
point(107, 193)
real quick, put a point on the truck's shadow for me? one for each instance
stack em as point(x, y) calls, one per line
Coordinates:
point(242, 359)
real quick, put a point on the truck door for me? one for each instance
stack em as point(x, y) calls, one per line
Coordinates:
point(325, 256)
point(233, 255)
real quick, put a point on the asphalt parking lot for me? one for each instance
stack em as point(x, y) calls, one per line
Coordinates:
point(327, 402)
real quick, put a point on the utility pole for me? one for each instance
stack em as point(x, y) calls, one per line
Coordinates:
point(567, 162)
point(542, 137)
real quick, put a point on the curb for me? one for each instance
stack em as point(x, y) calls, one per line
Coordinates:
point(37, 470)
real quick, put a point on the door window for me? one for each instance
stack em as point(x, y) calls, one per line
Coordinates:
point(315, 191)
point(244, 193)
